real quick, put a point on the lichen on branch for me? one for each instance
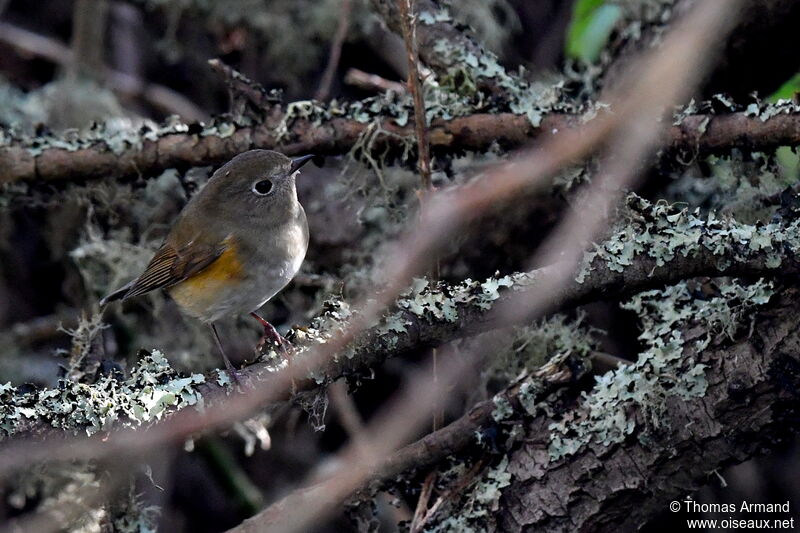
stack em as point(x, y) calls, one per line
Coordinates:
point(658, 245)
point(111, 402)
point(631, 399)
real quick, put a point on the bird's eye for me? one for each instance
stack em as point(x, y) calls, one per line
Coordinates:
point(263, 187)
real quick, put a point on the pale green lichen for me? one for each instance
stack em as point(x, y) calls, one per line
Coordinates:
point(434, 303)
point(761, 109)
point(152, 388)
point(117, 135)
point(432, 17)
point(67, 494)
point(663, 232)
point(477, 505)
point(493, 22)
point(502, 408)
point(440, 301)
point(469, 72)
point(631, 399)
point(740, 184)
point(766, 110)
point(528, 398)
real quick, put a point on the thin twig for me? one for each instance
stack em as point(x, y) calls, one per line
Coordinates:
point(372, 82)
point(455, 490)
point(414, 85)
point(408, 25)
point(421, 512)
point(335, 53)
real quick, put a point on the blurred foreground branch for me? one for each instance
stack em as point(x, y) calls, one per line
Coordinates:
point(127, 86)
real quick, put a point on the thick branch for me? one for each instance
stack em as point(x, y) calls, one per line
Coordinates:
point(151, 151)
point(748, 407)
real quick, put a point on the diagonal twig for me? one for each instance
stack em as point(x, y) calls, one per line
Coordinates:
point(323, 92)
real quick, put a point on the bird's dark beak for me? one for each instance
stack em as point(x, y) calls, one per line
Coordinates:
point(299, 162)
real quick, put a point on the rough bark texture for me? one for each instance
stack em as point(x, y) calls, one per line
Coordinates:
point(750, 405)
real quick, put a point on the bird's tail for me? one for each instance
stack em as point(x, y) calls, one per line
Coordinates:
point(118, 294)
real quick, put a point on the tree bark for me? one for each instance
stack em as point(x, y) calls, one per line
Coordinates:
point(147, 154)
point(750, 406)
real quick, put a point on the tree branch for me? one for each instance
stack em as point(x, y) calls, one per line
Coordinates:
point(372, 82)
point(409, 26)
point(671, 245)
point(746, 404)
point(153, 149)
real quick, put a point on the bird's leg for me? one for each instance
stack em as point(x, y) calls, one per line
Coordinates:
point(228, 365)
point(270, 333)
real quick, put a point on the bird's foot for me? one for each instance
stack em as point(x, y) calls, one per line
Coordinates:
point(233, 373)
point(271, 335)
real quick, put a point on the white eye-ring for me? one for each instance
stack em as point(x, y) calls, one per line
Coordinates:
point(262, 187)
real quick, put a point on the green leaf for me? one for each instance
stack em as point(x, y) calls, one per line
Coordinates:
point(591, 26)
point(787, 90)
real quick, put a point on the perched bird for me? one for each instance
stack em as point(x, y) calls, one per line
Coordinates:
point(235, 245)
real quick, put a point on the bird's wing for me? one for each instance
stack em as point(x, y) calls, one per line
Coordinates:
point(172, 265)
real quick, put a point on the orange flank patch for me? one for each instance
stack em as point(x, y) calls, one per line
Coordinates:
point(201, 291)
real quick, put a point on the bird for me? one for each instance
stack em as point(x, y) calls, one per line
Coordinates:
point(235, 245)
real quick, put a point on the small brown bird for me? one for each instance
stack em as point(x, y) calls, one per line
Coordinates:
point(235, 245)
